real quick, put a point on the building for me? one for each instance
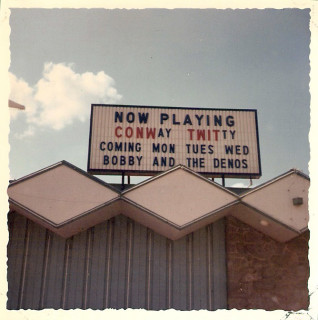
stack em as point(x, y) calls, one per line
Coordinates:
point(177, 240)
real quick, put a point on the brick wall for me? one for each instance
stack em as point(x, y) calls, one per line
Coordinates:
point(264, 273)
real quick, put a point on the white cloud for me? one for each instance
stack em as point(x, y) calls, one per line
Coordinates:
point(22, 93)
point(61, 96)
point(30, 131)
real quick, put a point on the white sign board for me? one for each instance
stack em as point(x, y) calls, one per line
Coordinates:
point(144, 140)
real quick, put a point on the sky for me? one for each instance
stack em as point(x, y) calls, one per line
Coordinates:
point(63, 60)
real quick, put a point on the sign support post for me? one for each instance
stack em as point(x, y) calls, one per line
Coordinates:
point(123, 180)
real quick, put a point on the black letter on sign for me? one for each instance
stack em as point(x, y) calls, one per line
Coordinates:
point(163, 117)
point(119, 116)
point(130, 117)
point(102, 146)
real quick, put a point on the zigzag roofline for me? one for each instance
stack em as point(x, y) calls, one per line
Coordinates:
point(57, 164)
point(92, 216)
point(280, 177)
point(177, 167)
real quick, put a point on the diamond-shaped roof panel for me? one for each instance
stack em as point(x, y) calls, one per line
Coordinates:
point(60, 193)
point(284, 199)
point(180, 196)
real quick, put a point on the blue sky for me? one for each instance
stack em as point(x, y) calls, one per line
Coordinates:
point(62, 60)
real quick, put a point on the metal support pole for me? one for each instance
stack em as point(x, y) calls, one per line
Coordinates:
point(123, 180)
point(223, 180)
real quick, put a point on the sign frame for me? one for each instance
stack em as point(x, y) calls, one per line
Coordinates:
point(250, 175)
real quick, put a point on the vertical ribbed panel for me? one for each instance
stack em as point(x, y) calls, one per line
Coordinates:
point(169, 274)
point(99, 266)
point(159, 273)
point(30, 292)
point(66, 272)
point(179, 274)
point(149, 273)
point(16, 253)
point(219, 264)
point(116, 264)
point(48, 241)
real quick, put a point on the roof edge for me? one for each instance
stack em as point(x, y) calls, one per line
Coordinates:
point(178, 167)
point(67, 164)
point(273, 180)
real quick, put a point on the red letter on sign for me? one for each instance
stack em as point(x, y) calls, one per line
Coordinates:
point(190, 131)
point(118, 135)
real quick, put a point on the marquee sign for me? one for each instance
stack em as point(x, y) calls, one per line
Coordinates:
point(144, 140)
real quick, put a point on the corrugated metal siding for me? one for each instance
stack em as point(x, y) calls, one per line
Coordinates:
point(116, 264)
